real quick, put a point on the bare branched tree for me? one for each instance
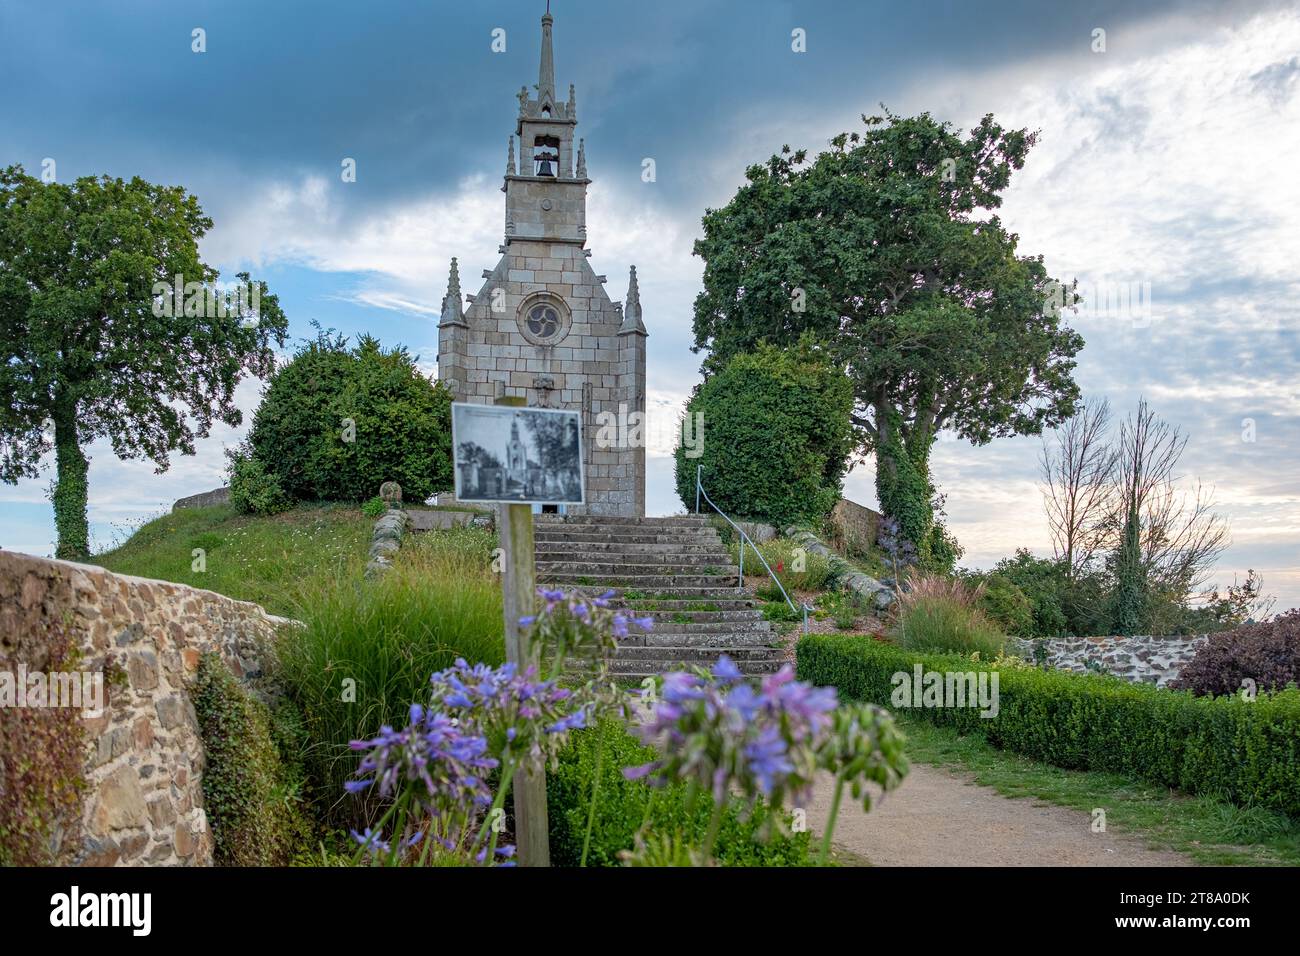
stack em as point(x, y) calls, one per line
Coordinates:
point(1181, 535)
point(1125, 500)
point(1078, 466)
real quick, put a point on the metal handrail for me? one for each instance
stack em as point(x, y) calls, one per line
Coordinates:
point(745, 539)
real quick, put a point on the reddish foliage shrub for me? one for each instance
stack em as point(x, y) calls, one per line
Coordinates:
point(1267, 653)
point(41, 755)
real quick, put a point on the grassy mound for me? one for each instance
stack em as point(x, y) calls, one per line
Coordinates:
point(274, 561)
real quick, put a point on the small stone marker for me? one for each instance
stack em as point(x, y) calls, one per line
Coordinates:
point(391, 493)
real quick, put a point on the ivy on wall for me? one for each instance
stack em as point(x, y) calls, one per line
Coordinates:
point(252, 783)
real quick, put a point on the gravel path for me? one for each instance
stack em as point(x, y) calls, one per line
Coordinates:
point(937, 818)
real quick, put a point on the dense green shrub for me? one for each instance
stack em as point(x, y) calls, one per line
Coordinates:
point(938, 614)
point(1058, 605)
point(1109, 599)
point(1007, 606)
point(374, 507)
point(369, 647)
point(335, 423)
point(253, 489)
point(776, 436)
point(623, 805)
point(252, 788)
point(1246, 751)
point(1267, 653)
point(1004, 603)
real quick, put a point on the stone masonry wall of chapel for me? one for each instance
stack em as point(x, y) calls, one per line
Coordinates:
point(590, 368)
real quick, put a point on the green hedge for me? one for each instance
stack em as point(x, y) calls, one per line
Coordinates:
point(1244, 751)
point(621, 808)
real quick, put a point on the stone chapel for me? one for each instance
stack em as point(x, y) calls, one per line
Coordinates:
point(542, 326)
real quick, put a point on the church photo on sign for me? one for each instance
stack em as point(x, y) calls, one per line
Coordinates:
point(517, 455)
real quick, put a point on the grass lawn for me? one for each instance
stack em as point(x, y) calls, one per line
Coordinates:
point(1213, 832)
point(272, 561)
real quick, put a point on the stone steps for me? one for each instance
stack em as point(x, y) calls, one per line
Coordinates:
point(601, 522)
point(677, 658)
point(664, 569)
point(656, 559)
point(629, 537)
point(551, 546)
point(712, 627)
point(720, 639)
point(685, 582)
point(606, 568)
point(727, 600)
point(664, 618)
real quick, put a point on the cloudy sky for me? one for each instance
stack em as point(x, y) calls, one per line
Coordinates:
point(1167, 158)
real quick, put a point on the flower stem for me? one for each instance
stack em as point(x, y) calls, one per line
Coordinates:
point(715, 822)
point(378, 830)
point(595, 791)
point(507, 774)
point(649, 810)
point(830, 819)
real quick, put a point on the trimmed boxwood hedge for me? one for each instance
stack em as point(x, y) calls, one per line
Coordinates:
point(621, 809)
point(1246, 751)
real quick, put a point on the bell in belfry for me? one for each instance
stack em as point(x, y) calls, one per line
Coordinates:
point(546, 163)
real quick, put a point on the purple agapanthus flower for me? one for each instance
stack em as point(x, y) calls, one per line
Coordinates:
point(767, 759)
point(432, 751)
point(372, 841)
point(577, 625)
point(513, 710)
point(727, 735)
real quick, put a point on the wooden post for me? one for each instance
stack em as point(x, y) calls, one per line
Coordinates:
point(515, 527)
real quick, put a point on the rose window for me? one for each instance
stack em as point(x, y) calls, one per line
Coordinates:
point(543, 321)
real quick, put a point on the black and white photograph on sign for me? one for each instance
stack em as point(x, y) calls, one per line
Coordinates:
point(520, 455)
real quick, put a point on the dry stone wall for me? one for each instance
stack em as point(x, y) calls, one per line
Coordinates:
point(143, 804)
point(1140, 658)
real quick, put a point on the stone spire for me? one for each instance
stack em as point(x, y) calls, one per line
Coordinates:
point(546, 70)
point(632, 311)
point(573, 103)
point(452, 312)
point(510, 159)
point(582, 159)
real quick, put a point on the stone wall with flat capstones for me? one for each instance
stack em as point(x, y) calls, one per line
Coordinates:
point(143, 804)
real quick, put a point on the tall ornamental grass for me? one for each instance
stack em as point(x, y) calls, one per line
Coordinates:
point(369, 646)
point(941, 615)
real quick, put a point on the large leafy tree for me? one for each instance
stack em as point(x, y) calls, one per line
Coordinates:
point(886, 249)
point(91, 347)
